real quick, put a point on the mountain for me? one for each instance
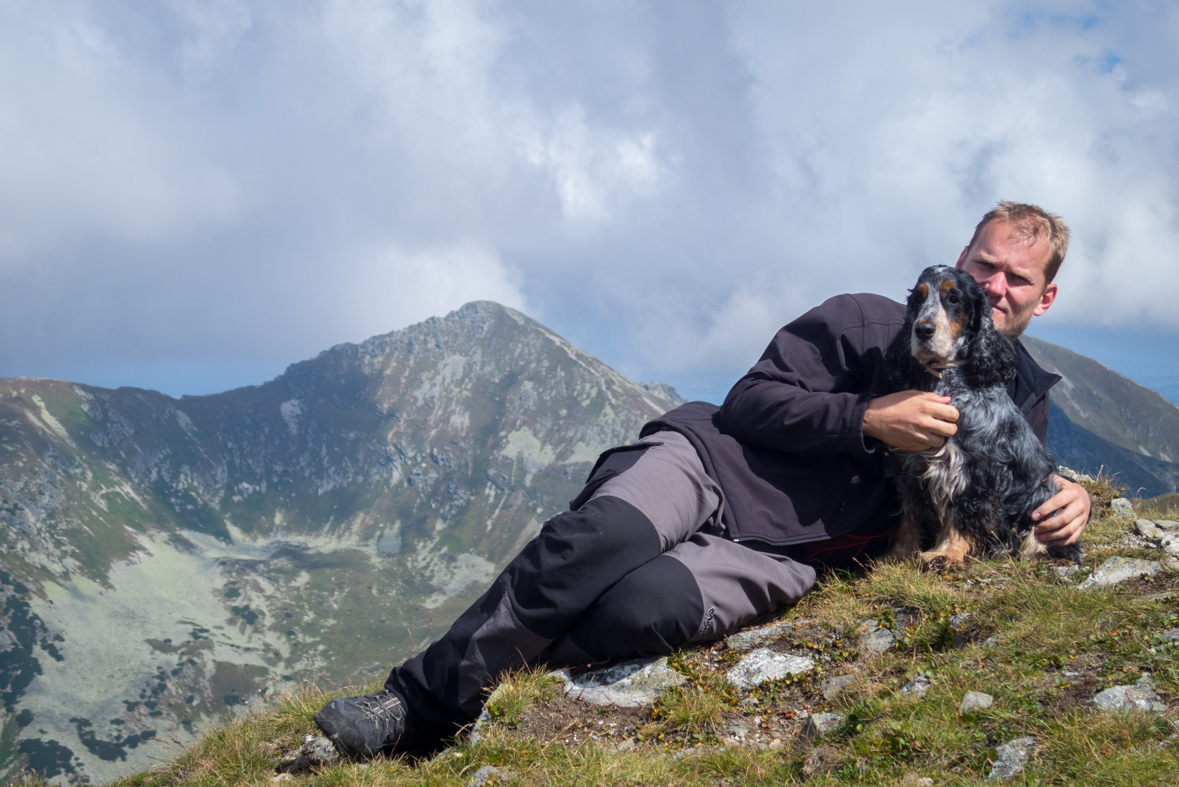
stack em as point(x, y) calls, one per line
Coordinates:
point(1101, 420)
point(166, 562)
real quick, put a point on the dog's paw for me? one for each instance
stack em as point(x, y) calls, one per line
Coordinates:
point(939, 563)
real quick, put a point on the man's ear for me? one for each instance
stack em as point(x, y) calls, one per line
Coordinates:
point(961, 264)
point(1046, 299)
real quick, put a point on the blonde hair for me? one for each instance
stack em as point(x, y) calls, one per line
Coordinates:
point(1030, 223)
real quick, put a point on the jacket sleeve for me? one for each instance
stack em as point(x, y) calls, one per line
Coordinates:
point(809, 390)
point(1037, 418)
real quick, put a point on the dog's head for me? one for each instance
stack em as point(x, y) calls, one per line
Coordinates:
point(947, 324)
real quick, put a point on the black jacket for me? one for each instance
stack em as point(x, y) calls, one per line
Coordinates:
point(787, 447)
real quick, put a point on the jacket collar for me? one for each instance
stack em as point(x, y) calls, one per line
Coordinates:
point(1031, 382)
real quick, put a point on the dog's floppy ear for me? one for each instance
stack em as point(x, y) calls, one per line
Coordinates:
point(903, 368)
point(992, 355)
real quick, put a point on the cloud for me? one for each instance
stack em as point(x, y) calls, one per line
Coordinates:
point(664, 183)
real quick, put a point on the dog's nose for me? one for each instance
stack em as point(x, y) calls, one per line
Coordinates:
point(924, 331)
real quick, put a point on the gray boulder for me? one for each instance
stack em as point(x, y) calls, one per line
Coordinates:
point(1146, 528)
point(877, 640)
point(1122, 508)
point(1120, 569)
point(486, 776)
point(833, 687)
point(628, 684)
point(917, 687)
point(1140, 696)
point(975, 701)
point(819, 724)
point(1010, 757)
point(763, 665)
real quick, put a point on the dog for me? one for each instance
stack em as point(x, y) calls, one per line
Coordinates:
point(976, 492)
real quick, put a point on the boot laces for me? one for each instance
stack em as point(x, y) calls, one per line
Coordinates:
point(383, 709)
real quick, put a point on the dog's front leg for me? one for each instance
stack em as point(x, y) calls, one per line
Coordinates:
point(906, 541)
point(950, 552)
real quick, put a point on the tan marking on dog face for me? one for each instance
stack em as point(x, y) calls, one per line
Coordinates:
point(923, 288)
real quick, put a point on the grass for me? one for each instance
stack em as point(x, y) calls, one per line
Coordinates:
point(1017, 631)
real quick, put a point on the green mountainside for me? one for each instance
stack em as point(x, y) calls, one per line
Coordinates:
point(1110, 422)
point(166, 562)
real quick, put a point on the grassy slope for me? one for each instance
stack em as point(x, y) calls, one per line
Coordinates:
point(1053, 648)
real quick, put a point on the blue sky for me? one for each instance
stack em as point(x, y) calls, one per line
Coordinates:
point(195, 194)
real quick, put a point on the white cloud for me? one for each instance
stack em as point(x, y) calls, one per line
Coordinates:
point(666, 183)
point(391, 286)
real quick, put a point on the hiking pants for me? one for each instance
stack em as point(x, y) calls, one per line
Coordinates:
point(638, 568)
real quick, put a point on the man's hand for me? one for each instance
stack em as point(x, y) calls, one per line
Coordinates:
point(1071, 506)
point(911, 420)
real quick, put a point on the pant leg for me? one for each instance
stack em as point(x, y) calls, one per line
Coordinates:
point(657, 501)
point(702, 589)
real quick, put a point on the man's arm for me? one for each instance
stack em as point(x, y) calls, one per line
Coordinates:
point(911, 420)
point(812, 386)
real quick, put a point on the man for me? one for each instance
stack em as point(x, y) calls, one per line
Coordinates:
point(718, 515)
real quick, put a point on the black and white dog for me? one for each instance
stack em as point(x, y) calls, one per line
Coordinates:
point(977, 492)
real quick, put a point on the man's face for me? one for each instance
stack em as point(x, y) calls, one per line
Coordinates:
point(1011, 272)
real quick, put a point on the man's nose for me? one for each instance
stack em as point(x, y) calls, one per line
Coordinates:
point(993, 284)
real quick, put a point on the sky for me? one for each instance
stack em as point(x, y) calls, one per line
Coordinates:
point(195, 194)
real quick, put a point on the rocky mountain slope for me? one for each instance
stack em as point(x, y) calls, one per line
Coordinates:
point(167, 561)
point(1102, 420)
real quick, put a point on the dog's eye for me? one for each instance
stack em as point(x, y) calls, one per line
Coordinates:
point(953, 298)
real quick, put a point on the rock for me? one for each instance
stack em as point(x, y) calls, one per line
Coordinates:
point(1146, 528)
point(1120, 569)
point(975, 701)
point(763, 664)
point(1073, 475)
point(877, 641)
point(628, 684)
point(1064, 572)
point(1157, 597)
point(282, 777)
point(1170, 635)
point(481, 722)
point(820, 724)
point(626, 745)
point(917, 687)
point(819, 761)
point(319, 750)
point(1139, 696)
point(915, 779)
point(744, 641)
point(1169, 542)
point(1170, 525)
point(833, 687)
point(316, 751)
point(1122, 508)
point(738, 729)
point(486, 776)
point(1010, 757)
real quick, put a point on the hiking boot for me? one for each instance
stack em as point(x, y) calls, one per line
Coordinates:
point(363, 727)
